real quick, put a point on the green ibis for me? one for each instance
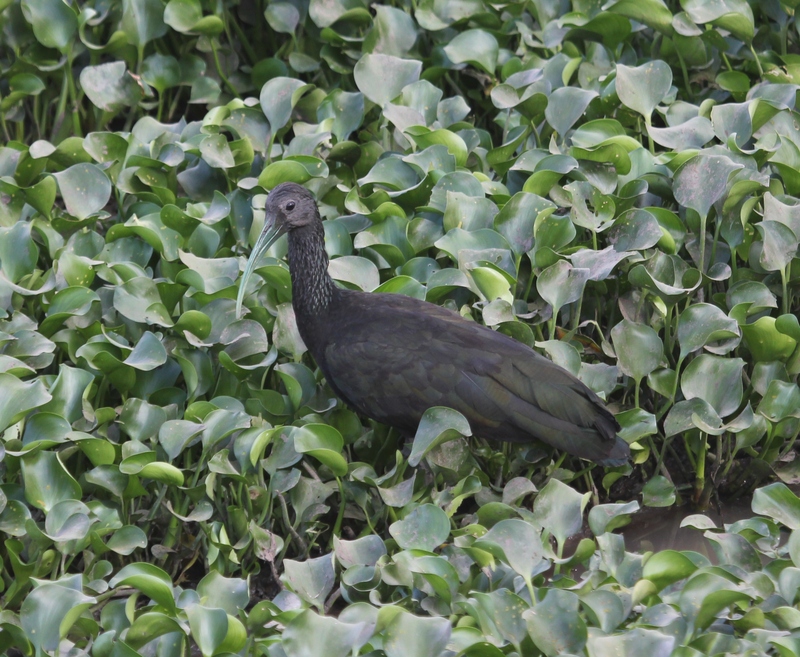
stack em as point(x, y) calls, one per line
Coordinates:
point(391, 357)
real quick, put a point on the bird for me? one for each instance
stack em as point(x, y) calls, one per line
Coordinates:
point(391, 357)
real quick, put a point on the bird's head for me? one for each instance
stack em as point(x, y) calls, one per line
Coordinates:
point(289, 206)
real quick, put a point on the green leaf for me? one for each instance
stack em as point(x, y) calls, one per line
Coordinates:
point(355, 270)
point(381, 78)
point(324, 443)
point(111, 86)
point(47, 481)
point(658, 492)
point(642, 88)
point(516, 542)
point(694, 133)
point(715, 380)
point(634, 643)
point(228, 593)
point(702, 181)
point(736, 16)
point(148, 627)
point(50, 611)
point(142, 21)
point(312, 579)
point(166, 473)
point(780, 401)
point(68, 302)
point(148, 354)
point(702, 325)
point(565, 106)
point(667, 567)
point(423, 137)
point(18, 252)
point(638, 347)
point(555, 624)
point(325, 14)
point(516, 220)
point(776, 501)
point(209, 627)
point(124, 541)
point(138, 299)
point(779, 245)
point(54, 22)
point(425, 528)
point(216, 152)
point(707, 594)
point(415, 636)
point(345, 109)
point(278, 98)
point(150, 580)
point(608, 517)
point(476, 47)
point(364, 551)
point(393, 32)
point(561, 284)
point(84, 188)
point(437, 426)
point(141, 420)
point(765, 342)
point(311, 635)
point(559, 510)
point(187, 16)
point(653, 13)
point(282, 17)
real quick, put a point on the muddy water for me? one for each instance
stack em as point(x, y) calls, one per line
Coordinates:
point(660, 529)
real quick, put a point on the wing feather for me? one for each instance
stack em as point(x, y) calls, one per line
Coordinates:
point(397, 357)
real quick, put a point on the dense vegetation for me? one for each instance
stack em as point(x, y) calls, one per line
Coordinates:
point(615, 183)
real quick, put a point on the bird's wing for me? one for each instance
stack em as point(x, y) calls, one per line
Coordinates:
point(403, 356)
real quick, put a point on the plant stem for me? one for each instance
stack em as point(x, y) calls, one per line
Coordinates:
point(668, 332)
point(577, 318)
point(337, 527)
point(5, 127)
point(73, 96)
point(244, 41)
point(727, 61)
point(61, 110)
point(218, 66)
point(785, 288)
point(700, 467)
point(784, 33)
point(758, 61)
point(529, 584)
point(702, 237)
point(648, 121)
point(685, 73)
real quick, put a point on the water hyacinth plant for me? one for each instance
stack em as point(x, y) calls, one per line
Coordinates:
point(615, 184)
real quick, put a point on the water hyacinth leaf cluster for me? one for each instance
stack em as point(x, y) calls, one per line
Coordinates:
point(614, 185)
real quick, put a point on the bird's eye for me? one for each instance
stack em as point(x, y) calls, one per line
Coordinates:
point(290, 206)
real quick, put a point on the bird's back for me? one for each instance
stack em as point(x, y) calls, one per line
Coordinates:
point(392, 357)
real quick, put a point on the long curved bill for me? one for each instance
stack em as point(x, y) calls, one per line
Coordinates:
point(267, 238)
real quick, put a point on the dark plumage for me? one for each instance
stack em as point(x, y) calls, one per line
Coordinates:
point(392, 357)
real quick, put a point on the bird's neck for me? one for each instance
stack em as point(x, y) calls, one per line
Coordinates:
point(312, 287)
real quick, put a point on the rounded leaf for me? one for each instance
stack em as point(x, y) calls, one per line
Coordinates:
point(715, 380)
point(382, 77)
point(638, 347)
point(642, 88)
point(425, 528)
point(415, 636)
point(85, 189)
